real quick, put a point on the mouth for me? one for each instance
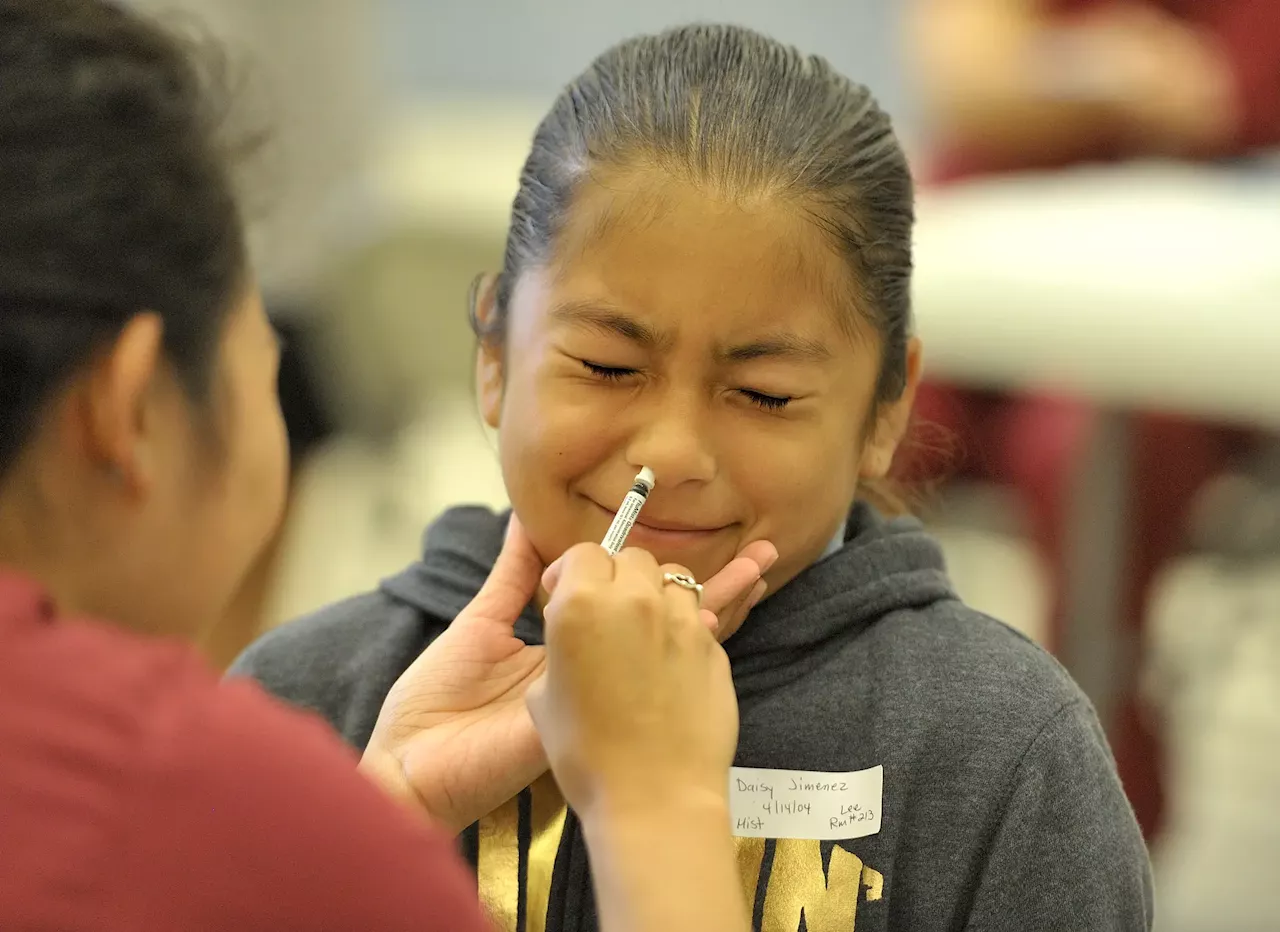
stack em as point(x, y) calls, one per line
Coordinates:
point(654, 533)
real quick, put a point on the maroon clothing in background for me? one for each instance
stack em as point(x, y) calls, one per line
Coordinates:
point(138, 793)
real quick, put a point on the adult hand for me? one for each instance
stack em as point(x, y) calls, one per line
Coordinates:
point(637, 702)
point(454, 736)
point(728, 596)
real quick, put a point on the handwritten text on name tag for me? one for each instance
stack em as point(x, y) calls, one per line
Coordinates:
point(805, 803)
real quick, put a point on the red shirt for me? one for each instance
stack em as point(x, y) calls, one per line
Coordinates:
point(138, 793)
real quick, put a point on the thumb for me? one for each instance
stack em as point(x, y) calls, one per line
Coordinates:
point(551, 576)
point(535, 700)
point(511, 583)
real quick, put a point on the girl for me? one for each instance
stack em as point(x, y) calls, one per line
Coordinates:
point(707, 273)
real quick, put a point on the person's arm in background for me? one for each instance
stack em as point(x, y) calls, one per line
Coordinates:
point(1007, 78)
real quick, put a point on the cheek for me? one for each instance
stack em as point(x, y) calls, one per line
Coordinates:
point(271, 465)
point(554, 427)
point(799, 484)
point(230, 513)
point(553, 435)
point(258, 476)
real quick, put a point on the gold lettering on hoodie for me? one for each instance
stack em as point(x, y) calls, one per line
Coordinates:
point(873, 880)
point(498, 860)
point(498, 865)
point(547, 813)
point(798, 886)
point(750, 852)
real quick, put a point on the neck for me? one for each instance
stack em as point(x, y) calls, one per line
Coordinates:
point(30, 529)
point(63, 542)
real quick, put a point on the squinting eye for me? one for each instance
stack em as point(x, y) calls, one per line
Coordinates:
point(608, 373)
point(767, 402)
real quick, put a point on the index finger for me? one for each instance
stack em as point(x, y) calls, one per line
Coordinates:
point(738, 577)
point(582, 564)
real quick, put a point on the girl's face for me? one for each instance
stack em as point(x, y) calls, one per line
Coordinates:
point(703, 338)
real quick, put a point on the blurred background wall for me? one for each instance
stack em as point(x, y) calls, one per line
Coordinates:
point(521, 47)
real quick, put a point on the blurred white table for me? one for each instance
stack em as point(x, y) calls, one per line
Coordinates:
point(1150, 286)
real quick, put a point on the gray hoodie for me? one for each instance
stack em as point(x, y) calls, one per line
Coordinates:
point(1000, 807)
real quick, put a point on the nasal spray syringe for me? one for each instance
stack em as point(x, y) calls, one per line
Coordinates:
point(628, 512)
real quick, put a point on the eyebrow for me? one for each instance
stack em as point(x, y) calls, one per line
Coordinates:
point(782, 346)
point(610, 321)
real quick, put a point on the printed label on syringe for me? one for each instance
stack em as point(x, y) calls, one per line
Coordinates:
point(625, 519)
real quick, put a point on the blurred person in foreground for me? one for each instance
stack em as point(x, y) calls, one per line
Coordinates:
point(142, 468)
point(1016, 85)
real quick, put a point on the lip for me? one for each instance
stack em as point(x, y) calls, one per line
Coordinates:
point(677, 527)
point(667, 533)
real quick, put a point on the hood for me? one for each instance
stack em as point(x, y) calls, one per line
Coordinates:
point(885, 566)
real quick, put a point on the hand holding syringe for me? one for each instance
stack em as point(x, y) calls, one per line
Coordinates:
point(728, 596)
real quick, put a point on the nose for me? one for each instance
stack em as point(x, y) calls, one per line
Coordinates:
point(671, 439)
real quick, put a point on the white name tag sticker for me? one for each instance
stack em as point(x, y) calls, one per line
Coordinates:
point(805, 803)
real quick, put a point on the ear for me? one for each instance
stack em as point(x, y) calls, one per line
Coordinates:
point(489, 352)
point(119, 406)
point(892, 420)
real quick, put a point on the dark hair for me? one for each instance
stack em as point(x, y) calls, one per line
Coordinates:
point(731, 109)
point(115, 199)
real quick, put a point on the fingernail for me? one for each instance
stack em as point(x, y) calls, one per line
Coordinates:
point(757, 594)
point(768, 562)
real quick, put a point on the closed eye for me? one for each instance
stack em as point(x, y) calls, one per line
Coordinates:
point(618, 373)
point(608, 373)
point(767, 402)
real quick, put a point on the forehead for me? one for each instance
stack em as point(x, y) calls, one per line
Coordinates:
point(665, 248)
